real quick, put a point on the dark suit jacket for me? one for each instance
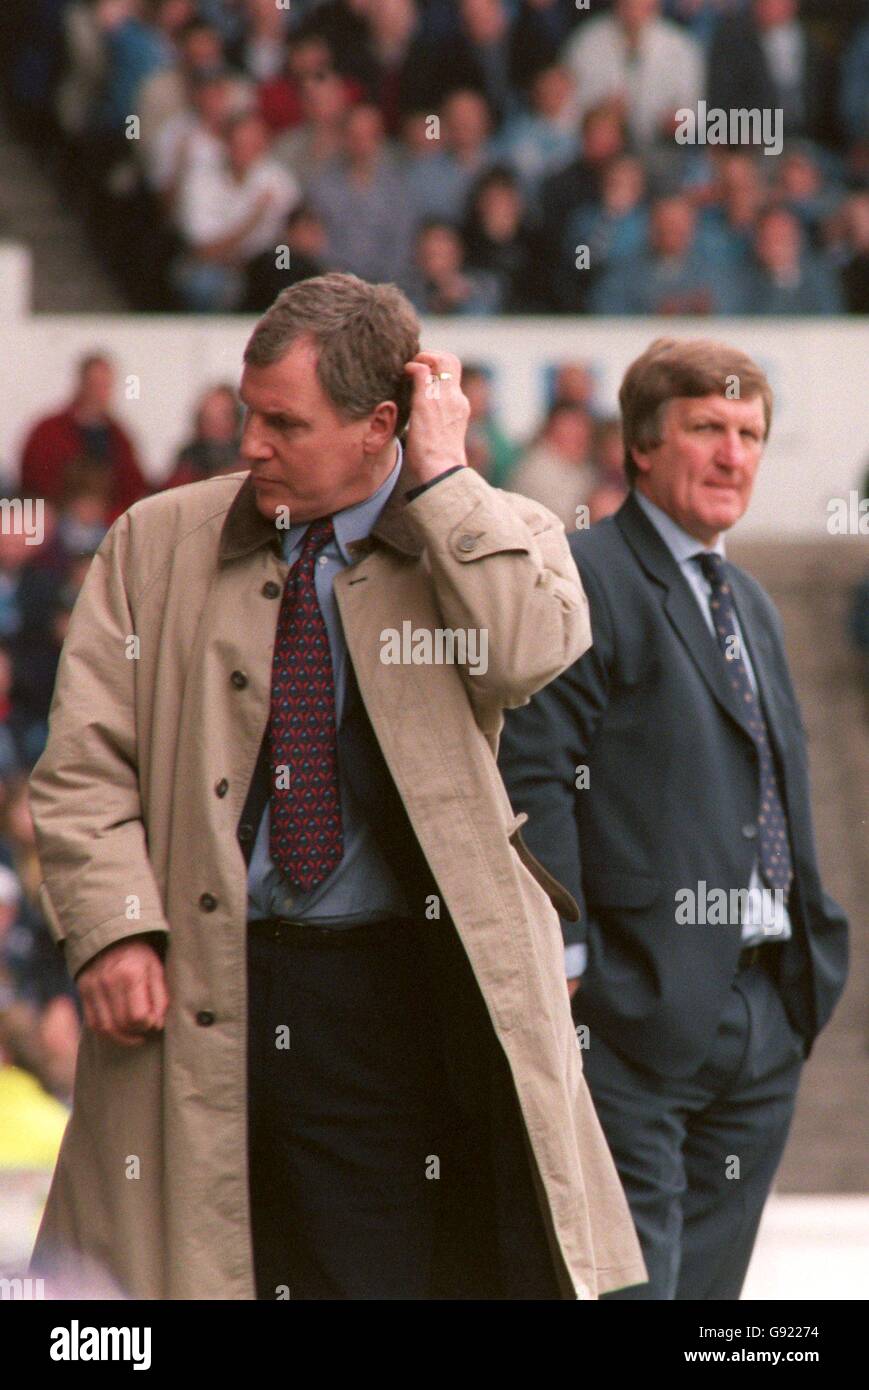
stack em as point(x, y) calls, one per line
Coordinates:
point(672, 802)
point(739, 77)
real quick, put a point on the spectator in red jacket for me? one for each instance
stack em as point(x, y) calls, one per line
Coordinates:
point(84, 428)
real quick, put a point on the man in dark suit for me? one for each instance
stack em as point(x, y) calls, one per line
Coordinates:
point(665, 778)
point(765, 57)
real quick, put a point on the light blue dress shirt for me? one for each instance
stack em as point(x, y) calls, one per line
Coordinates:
point(363, 887)
point(761, 907)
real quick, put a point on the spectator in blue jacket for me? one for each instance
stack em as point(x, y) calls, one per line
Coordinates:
point(786, 278)
point(675, 275)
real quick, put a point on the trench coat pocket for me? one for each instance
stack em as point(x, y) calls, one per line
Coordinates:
point(560, 898)
point(48, 911)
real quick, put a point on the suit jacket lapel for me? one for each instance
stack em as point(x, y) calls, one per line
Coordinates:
point(680, 605)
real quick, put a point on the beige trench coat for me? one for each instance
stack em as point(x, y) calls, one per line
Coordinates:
point(162, 692)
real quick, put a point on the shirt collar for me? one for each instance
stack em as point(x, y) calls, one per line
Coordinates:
point(356, 522)
point(679, 542)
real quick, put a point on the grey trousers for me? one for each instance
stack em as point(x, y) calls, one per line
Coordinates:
point(697, 1156)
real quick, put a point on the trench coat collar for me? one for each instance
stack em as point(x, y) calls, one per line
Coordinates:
point(245, 529)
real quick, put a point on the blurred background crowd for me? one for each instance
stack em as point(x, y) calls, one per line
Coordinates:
point(468, 149)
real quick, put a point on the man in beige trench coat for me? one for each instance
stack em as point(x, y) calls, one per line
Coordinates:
point(144, 803)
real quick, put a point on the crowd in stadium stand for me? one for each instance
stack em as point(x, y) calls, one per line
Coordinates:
point(492, 156)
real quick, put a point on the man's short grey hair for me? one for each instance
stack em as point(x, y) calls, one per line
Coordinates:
point(365, 334)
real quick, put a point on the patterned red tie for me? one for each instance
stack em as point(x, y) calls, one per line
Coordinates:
point(306, 838)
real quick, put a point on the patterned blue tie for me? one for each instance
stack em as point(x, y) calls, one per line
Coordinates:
point(775, 855)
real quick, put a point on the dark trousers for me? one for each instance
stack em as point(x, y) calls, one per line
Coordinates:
point(697, 1156)
point(373, 1175)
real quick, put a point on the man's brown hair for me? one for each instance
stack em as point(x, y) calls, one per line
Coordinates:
point(365, 334)
point(670, 368)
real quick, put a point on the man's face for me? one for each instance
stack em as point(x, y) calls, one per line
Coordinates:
point(769, 13)
point(363, 133)
point(439, 252)
point(602, 137)
point(97, 385)
point(569, 433)
point(307, 236)
point(309, 59)
point(482, 18)
point(324, 99)
point(476, 388)
point(623, 184)
point(247, 143)
point(466, 120)
point(672, 227)
point(201, 49)
point(777, 242)
point(552, 89)
point(702, 472)
point(633, 14)
point(213, 101)
point(302, 453)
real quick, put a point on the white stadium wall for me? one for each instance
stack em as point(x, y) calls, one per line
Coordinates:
point(819, 370)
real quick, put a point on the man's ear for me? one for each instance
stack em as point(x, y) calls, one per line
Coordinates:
point(381, 426)
point(641, 459)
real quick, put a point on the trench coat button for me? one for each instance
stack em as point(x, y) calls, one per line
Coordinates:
point(222, 787)
point(467, 542)
point(208, 902)
point(270, 589)
point(205, 1018)
point(239, 679)
point(749, 832)
point(245, 833)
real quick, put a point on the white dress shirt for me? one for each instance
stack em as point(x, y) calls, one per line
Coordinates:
point(212, 204)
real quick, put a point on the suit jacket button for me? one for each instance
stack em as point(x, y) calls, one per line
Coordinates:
point(270, 589)
point(222, 787)
point(245, 833)
point(239, 679)
point(205, 1018)
point(750, 832)
point(467, 542)
point(208, 902)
